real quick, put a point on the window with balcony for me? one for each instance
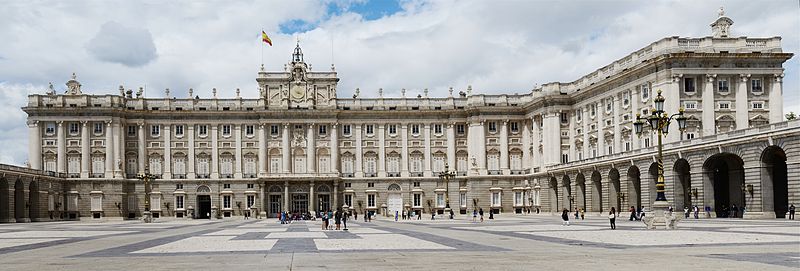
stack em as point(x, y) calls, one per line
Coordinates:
point(688, 85)
point(179, 202)
point(273, 130)
point(346, 129)
point(226, 202)
point(371, 200)
point(417, 200)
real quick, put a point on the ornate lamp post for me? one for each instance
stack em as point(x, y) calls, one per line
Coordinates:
point(446, 175)
point(146, 177)
point(659, 121)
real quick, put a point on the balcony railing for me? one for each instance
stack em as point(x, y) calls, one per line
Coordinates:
point(417, 174)
point(97, 175)
point(495, 172)
point(347, 175)
point(394, 174)
point(202, 176)
point(517, 172)
point(461, 173)
point(226, 176)
point(250, 175)
point(73, 175)
point(371, 174)
point(179, 176)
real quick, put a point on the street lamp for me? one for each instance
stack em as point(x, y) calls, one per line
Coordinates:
point(146, 177)
point(659, 121)
point(446, 175)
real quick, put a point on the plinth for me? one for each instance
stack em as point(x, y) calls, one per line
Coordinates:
point(661, 218)
point(147, 217)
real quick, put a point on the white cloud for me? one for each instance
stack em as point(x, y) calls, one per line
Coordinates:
point(496, 46)
point(116, 43)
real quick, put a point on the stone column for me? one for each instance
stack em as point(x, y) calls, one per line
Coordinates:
point(359, 153)
point(237, 160)
point(526, 145)
point(261, 199)
point(34, 145)
point(335, 165)
point(742, 108)
point(190, 171)
point(536, 159)
point(286, 196)
point(601, 129)
point(118, 149)
point(142, 150)
point(167, 151)
point(426, 164)
point(381, 150)
point(451, 146)
point(86, 150)
point(214, 151)
point(311, 150)
point(708, 107)
point(552, 138)
point(404, 150)
point(573, 155)
point(672, 104)
point(109, 143)
point(262, 153)
point(476, 147)
point(61, 157)
point(586, 152)
point(775, 105)
point(311, 199)
point(285, 149)
point(336, 194)
point(504, 147)
point(635, 101)
point(617, 109)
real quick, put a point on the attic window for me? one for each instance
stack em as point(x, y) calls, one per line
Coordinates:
point(415, 108)
point(249, 109)
point(178, 108)
point(154, 108)
point(437, 108)
point(98, 105)
point(226, 109)
point(202, 109)
point(393, 108)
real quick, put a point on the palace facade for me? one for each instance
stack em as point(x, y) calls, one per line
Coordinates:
point(300, 147)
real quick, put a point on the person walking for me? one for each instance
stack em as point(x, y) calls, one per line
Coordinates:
point(565, 217)
point(686, 211)
point(577, 214)
point(791, 212)
point(419, 214)
point(404, 214)
point(474, 215)
point(480, 212)
point(696, 210)
point(612, 217)
point(396, 214)
point(344, 219)
point(583, 214)
point(633, 213)
point(324, 221)
point(338, 219)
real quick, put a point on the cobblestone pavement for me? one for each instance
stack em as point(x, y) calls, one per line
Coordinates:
point(506, 243)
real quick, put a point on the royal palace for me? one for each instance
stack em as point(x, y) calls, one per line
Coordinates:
point(302, 147)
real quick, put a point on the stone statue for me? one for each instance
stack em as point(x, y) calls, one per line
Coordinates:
point(721, 11)
point(51, 90)
point(139, 92)
point(380, 92)
point(237, 93)
point(474, 162)
point(358, 92)
point(426, 92)
point(191, 93)
point(403, 92)
point(214, 92)
point(450, 91)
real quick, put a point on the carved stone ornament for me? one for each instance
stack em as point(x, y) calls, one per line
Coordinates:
point(298, 140)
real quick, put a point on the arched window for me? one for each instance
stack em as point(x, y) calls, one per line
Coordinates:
point(393, 162)
point(416, 162)
point(275, 161)
point(347, 163)
point(493, 160)
point(203, 164)
point(250, 162)
point(438, 161)
point(370, 163)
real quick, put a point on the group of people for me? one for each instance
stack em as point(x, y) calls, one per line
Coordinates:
point(339, 217)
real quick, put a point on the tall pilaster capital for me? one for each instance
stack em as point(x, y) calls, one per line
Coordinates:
point(33, 123)
point(778, 77)
point(677, 77)
point(108, 123)
point(285, 125)
point(334, 125)
point(744, 77)
point(140, 124)
point(710, 77)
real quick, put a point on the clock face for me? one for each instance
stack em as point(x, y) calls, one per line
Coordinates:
point(298, 92)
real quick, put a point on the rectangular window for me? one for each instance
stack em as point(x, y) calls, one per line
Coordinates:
point(179, 186)
point(724, 105)
point(392, 129)
point(690, 105)
point(178, 130)
point(73, 128)
point(249, 130)
point(346, 129)
point(370, 129)
point(251, 201)
point(758, 105)
point(462, 200)
point(370, 184)
point(179, 202)
point(131, 130)
point(226, 186)
point(437, 129)
point(416, 184)
point(609, 104)
point(514, 126)
point(50, 128)
point(626, 98)
point(492, 127)
point(323, 129)
point(226, 202)
point(564, 158)
point(688, 85)
point(202, 130)
point(564, 118)
point(690, 135)
point(417, 200)
point(155, 130)
point(722, 86)
point(645, 88)
point(273, 130)
point(460, 129)
point(440, 200)
point(98, 128)
point(348, 199)
point(414, 129)
point(495, 198)
point(371, 200)
point(755, 85)
point(348, 185)
point(226, 130)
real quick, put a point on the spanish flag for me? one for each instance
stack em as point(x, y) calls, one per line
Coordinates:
point(264, 38)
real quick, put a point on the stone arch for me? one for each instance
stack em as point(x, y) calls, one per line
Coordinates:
point(203, 189)
point(634, 186)
point(774, 182)
point(553, 194)
point(33, 200)
point(724, 176)
point(682, 184)
point(394, 188)
point(322, 188)
point(652, 172)
point(580, 193)
point(614, 189)
point(5, 213)
point(275, 189)
point(597, 192)
point(19, 201)
point(567, 192)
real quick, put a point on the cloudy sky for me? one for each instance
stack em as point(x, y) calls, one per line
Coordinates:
point(496, 46)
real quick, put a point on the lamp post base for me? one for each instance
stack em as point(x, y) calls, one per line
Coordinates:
point(147, 217)
point(661, 218)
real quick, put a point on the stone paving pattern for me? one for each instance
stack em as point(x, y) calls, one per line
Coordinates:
point(506, 243)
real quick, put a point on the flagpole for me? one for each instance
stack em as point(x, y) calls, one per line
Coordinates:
point(262, 49)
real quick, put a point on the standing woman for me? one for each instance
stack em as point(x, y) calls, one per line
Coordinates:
point(612, 217)
point(565, 217)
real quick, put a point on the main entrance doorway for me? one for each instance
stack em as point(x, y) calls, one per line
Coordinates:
point(275, 205)
point(203, 207)
point(395, 203)
point(299, 203)
point(324, 202)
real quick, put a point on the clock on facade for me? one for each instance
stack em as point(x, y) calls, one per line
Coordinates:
point(298, 92)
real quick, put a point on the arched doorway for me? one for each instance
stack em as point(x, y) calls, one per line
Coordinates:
point(553, 194)
point(683, 184)
point(651, 184)
point(567, 192)
point(275, 201)
point(774, 181)
point(724, 176)
point(394, 202)
point(33, 201)
point(580, 186)
point(614, 189)
point(597, 192)
point(634, 187)
point(203, 210)
point(4, 200)
point(19, 202)
point(323, 193)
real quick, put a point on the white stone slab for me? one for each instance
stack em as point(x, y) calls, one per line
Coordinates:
point(789, 230)
point(661, 237)
point(527, 228)
point(280, 235)
point(377, 242)
point(236, 232)
point(210, 244)
point(59, 234)
point(4, 243)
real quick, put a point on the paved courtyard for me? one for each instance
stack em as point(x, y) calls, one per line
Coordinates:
point(506, 243)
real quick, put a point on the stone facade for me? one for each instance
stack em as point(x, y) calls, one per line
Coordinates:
point(299, 147)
